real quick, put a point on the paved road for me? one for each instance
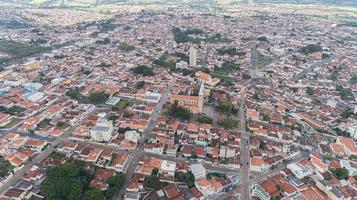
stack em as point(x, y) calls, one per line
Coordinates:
point(244, 154)
point(271, 172)
point(146, 135)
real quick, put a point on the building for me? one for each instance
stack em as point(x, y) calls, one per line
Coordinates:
point(227, 152)
point(132, 136)
point(167, 170)
point(300, 171)
point(192, 103)
point(182, 65)
point(193, 57)
point(259, 192)
point(198, 171)
point(102, 131)
point(348, 145)
point(206, 78)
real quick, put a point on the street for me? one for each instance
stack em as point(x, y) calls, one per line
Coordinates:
point(146, 135)
point(244, 154)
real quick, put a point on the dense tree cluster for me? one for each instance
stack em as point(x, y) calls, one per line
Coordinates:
point(311, 48)
point(97, 97)
point(71, 180)
point(143, 70)
point(20, 50)
point(179, 112)
point(187, 178)
point(204, 119)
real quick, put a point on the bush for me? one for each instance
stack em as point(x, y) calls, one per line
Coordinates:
point(228, 123)
point(152, 182)
point(204, 119)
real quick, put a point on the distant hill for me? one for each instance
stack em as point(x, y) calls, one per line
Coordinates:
point(93, 2)
point(333, 2)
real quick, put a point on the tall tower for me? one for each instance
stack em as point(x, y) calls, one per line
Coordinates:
point(193, 57)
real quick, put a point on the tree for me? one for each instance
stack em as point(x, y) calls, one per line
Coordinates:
point(204, 119)
point(66, 181)
point(309, 91)
point(353, 79)
point(97, 97)
point(5, 167)
point(228, 123)
point(187, 178)
point(347, 113)
point(226, 106)
point(143, 70)
point(340, 173)
point(114, 183)
point(152, 182)
point(74, 94)
point(94, 194)
point(126, 47)
point(15, 110)
point(179, 112)
point(246, 76)
point(311, 48)
point(139, 84)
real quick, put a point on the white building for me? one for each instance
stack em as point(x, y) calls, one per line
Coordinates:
point(167, 170)
point(102, 131)
point(198, 171)
point(132, 135)
point(299, 170)
point(193, 57)
point(152, 97)
point(227, 152)
point(182, 65)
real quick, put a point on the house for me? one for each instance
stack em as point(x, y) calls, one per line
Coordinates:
point(36, 145)
point(318, 164)
point(257, 164)
point(167, 170)
point(119, 161)
point(204, 186)
point(206, 78)
point(100, 179)
point(15, 193)
point(348, 145)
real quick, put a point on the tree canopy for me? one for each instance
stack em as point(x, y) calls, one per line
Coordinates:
point(143, 70)
point(179, 112)
point(65, 182)
point(340, 173)
point(97, 97)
